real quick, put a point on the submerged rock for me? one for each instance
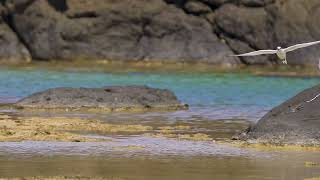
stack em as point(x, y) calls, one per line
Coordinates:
point(110, 98)
point(294, 122)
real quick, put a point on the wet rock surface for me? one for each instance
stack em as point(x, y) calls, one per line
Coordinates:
point(294, 122)
point(159, 30)
point(110, 98)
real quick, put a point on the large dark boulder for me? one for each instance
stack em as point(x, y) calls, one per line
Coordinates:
point(110, 98)
point(294, 122)
point(245, 29)
point(117, 30)
point(247, 24)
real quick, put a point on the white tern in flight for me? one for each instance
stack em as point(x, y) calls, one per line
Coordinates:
point(281, 53)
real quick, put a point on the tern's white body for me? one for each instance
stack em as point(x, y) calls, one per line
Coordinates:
point(282, 55)
point(280, 52)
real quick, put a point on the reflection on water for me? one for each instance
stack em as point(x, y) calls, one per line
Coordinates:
point(224, 167)
point(124, 146)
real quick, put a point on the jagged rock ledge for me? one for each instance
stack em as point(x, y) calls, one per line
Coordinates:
point(106, 99)
point(296, 122)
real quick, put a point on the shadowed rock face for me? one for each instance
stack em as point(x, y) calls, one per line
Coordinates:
point(159, 30)
point(11, 48)
point(295, 121)
point(108, 98)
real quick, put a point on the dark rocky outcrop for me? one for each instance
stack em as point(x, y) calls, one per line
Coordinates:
point(118, 30)
point(294, 122)
point(159, 30)
point(110, 98)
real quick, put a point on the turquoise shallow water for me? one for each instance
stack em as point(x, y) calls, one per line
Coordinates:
point(215, 94)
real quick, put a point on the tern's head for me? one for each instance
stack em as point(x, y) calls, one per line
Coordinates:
point(278, 48)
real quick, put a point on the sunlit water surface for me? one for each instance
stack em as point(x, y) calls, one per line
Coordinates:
point(213, 97)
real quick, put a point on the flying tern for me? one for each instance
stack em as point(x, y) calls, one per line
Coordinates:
point(280, 52)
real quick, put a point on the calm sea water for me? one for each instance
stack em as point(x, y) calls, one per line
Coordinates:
point(211, 96)
point(217, 95)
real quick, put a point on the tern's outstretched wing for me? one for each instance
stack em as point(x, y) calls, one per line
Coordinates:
point(298, 46)
point(255, 53)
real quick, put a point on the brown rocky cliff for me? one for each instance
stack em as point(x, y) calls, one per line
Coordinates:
point(158, 30)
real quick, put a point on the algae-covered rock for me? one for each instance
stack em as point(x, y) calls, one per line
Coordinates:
point(294, 122)
point(110, 98)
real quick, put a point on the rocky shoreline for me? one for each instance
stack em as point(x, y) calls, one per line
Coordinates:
point(294, 123)
point(157, 30)
point(291, 125)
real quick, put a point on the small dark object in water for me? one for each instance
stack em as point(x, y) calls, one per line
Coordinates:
point(108, 90)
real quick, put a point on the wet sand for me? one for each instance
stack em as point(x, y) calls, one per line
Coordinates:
point(17, 126)
point(254, 165)
point(13, 129)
